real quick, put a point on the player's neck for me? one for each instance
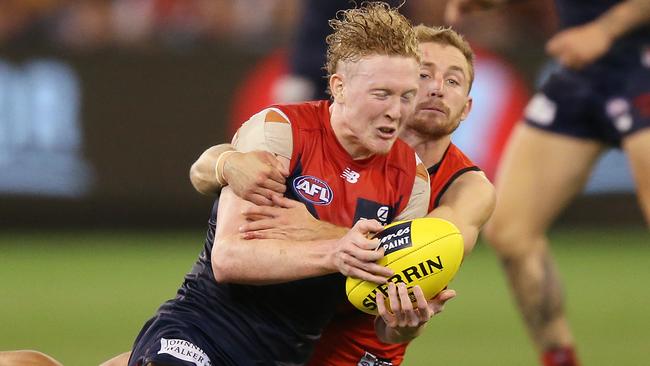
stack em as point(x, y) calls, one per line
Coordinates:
point(429, 150)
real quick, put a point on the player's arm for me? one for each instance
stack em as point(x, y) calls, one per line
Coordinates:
point(267, 261)
point(581, 45)
point(468, 203)
point(205, 176)
point(256, 176)
point(289, 219)
point(27, 357)
point(624, 17)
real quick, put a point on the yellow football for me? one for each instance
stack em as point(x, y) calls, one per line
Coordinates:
point(425, 252)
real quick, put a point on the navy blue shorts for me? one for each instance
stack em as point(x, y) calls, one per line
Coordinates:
point(169, 341)
point(604, 103)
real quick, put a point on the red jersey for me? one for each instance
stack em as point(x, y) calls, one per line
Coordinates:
point(350, 339)
point(334, 187)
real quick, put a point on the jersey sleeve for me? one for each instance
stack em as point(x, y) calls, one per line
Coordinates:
point(268, 130)
point(418, 204)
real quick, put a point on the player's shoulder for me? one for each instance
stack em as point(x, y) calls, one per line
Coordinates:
point(303, 114)
point(270, 114)
point(455, 154)
point(475, 178)
point(268, 130)
point(474, 184)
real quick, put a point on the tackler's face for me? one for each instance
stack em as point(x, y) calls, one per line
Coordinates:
point(443, 100)
point(377, 95)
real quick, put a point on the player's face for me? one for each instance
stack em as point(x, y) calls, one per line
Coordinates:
point(443, 99)
point(378, 95)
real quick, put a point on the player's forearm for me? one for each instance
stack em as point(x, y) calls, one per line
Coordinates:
point(267, 261)
point(468, 230)
point(624, 17)
point(468, 203)
point(327, 231)
point(203, 174)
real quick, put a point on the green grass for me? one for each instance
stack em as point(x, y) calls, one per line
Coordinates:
point(83, 296)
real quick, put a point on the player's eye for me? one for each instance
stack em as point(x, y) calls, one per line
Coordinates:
point(453, 82)
point(407, 97)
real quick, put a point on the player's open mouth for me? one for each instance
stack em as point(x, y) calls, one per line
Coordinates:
point(386, 132)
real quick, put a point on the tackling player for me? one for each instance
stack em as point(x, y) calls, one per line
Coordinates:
point(597, 96)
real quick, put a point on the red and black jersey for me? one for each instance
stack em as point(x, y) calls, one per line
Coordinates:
point(350, 338)
point(336, 188)
point(453, 164)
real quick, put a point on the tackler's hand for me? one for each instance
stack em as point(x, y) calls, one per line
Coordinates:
point(255, 176)
point(406, 319)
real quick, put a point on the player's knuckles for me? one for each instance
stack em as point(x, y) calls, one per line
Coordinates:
point(414, 322)
point(345, 270)
point(259, 179)
point(365, 244)
point(372, 245)
point(366, 226)
point(367, 256)
point(392, 323)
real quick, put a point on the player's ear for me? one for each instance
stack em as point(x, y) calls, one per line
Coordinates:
point(336, 88)
point(466, 108)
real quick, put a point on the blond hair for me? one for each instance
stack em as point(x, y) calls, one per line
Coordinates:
point(449, 37)
point(372, 29)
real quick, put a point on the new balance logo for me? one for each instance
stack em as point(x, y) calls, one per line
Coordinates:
point(350, 175)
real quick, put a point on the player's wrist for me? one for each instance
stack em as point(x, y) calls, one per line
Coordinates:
point(220, 169)
point(403, 335)
point(605, 29)
point(327, 231)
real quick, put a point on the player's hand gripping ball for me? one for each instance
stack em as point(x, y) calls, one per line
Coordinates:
point(425, 252)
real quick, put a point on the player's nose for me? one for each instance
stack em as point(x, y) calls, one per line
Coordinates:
point(394, 111)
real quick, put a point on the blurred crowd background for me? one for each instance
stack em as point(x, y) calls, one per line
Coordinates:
point(87, 25)
point(104, 104)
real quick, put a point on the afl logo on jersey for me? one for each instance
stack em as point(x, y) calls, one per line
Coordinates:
point(313, 190)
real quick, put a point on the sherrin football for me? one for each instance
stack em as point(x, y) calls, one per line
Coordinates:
point(425, 252)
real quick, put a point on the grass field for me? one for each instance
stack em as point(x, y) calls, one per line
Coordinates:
point(82, 296)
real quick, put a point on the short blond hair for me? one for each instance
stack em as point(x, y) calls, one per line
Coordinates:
point(372, 29)
point(447, 36)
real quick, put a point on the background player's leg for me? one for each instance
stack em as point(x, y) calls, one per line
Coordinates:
point(119, 360)
point(637, 148)
point(539, 174)
point(26, 358)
